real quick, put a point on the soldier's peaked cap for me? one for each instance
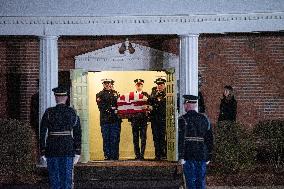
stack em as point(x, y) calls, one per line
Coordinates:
point(60, 91)
point(190, 98)
point(107, 81)
point(160, 80)
point(139, 81)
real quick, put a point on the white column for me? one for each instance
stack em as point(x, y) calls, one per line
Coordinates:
point(188, 66)
point(48, 72)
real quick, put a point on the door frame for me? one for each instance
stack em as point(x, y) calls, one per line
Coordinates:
point(147, 59)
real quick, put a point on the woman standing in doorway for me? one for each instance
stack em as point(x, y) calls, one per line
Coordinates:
point(228, 105)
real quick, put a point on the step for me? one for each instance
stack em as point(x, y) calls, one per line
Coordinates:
point(125, 174)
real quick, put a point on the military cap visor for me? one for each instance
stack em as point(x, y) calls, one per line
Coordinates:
point(107, 81)
point(190, 98)
point(138, 81)
point(60, 91)
point(160, 81)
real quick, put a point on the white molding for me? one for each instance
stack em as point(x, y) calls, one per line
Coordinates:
point(120, 20)
point(109, 59)
point(133, 25)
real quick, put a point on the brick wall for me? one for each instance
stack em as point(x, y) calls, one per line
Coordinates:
point(69, 47)
point(19, 65)
point(251, 63)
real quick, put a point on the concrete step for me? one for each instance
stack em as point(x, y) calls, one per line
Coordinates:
point(124, 174)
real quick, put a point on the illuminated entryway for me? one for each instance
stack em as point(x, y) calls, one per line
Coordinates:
point(123, 84)
point(145, 63)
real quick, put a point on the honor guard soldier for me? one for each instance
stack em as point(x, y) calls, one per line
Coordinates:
point(109, 121)
point(139, 123)
point(60, 140)
point(195, 143)
point(157, 100)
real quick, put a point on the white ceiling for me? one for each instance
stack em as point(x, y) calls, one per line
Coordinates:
point(135, 7)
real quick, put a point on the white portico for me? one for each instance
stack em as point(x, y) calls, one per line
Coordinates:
point(50, 20)
point(188, 19)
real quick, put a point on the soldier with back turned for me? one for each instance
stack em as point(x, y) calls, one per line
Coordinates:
point(60, 140)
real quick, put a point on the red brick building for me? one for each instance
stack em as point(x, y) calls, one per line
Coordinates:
point(251, 63)
point(239, 44)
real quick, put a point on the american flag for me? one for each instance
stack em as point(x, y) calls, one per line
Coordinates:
point(130, 104)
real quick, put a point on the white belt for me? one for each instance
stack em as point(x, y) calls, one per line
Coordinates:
point(60, 133)
point(196, 139)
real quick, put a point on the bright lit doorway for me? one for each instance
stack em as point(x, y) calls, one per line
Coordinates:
point(124, 83)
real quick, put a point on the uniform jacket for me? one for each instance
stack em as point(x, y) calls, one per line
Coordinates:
point(60, 118)
point(158, 102)
point(137, 117)
point(195, 137)
point(107, 104)
point(228, 110)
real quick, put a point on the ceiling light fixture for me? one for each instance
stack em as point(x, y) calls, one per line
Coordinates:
point(126, 47)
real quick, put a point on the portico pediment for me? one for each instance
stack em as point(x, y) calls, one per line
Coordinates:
point(109, 58)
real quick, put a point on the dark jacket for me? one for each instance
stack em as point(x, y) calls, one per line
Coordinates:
point(107, 104)
point(158, 102)
point(60, 118)
point(195, 140)
point(228, 109)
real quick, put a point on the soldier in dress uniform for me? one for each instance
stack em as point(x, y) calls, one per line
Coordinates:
point(139, 124)
point(60, 140)
point(119, 122)
point(157, 100)
point(109, 121)
point(195, 143)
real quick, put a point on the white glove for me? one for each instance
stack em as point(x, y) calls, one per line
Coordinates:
point(76, 159)
point(181, 161)
point(43, 161)
point(207, 162)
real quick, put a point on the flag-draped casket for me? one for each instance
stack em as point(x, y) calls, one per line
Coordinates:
point(131, 104)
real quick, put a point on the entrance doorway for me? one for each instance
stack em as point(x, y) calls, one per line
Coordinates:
point(120, 67)
point(124, 83)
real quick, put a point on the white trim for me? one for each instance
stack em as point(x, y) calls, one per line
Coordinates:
point(135, 25)
point(120, 20)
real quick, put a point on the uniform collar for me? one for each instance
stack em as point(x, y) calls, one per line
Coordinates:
point(61, 104)
point(163, 91)
point(191, 111)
